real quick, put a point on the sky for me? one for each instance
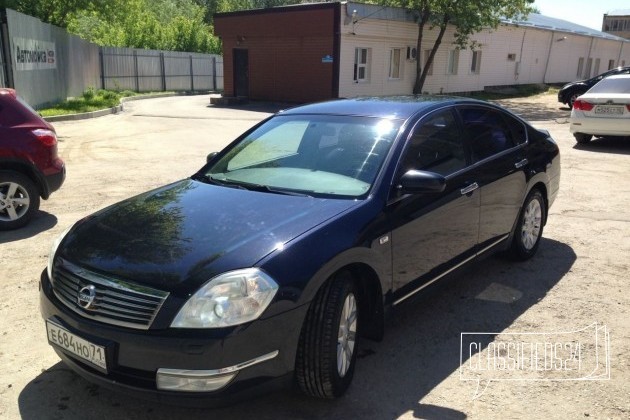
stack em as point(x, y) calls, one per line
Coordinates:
point(583, 12)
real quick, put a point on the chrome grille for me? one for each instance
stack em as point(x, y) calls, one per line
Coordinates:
point(115, 301)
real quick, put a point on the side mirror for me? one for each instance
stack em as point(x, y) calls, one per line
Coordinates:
point(211, 157)
point(416, 182)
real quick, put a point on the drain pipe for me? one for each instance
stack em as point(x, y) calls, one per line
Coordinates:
point(553, 35)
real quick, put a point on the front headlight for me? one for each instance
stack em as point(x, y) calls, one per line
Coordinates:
point(232, 298)
point(53, 251)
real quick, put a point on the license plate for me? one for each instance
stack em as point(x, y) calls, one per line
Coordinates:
point(609, 109)
point(80, 347)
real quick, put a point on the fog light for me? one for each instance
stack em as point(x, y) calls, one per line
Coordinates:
point(191, 380)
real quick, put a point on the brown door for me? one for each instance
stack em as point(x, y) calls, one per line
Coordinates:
point(241, 72)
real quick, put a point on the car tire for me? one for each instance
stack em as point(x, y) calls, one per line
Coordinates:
point(582, 138)
point(19, 200)
point(327, 350)
point(529, 228)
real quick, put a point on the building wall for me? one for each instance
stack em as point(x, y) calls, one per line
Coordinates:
point(510, 55)
point(286, 50)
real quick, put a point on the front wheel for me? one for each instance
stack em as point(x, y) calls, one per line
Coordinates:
point(529, 228)
point(582, 138)
point(327, 351)
point(19, 200)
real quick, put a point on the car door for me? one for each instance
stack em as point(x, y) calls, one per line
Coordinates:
point(432, 232)
point(496, 141)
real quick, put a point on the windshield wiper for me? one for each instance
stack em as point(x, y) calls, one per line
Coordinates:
point(246, 185)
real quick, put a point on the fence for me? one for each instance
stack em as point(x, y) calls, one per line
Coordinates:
point(45, 64)
point(152, 70)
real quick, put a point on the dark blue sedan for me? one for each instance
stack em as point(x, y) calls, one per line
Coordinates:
point(264, 267)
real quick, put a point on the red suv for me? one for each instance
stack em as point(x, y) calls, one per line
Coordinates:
point(29, 165)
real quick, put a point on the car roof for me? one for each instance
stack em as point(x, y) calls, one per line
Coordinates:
point(398, 107)
point(619, 76)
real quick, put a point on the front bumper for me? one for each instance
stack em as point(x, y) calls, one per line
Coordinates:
point(135, 356)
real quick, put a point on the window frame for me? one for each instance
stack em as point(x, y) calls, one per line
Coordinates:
point(580, 67)
point(452, 64)
point(400, 166)
point(475, 62)
point(392, 52)
point(507, 119)
point(358, 64)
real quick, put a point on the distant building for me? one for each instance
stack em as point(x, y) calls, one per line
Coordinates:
point(617, 23)
point(311, 52)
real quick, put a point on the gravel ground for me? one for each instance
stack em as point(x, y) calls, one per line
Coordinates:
point(577, 278)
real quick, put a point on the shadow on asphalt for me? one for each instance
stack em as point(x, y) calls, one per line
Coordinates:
point(615, 145)
point(420, 350)
point(41, 222)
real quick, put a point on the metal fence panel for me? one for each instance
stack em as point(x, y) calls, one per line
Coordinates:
point(49, 65)
point(153, 70)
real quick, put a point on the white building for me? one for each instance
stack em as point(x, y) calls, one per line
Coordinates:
point(378, 50)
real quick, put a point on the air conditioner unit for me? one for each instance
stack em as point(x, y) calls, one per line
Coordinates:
point(412, 53)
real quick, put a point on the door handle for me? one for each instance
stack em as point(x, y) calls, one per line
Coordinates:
point(467, 190)
point(521, 163)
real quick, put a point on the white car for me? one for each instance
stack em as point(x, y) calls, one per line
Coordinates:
point(604, 110)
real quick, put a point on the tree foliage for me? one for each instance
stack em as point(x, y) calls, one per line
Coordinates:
point(466, 16)
point(153, 24)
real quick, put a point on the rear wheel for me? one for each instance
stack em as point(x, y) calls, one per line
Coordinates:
point(582, 138)
point(19, 200)
point(328, 348)
point(529, 228)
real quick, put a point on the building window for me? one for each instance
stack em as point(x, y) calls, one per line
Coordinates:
point(611, 64)
point(453, 62)
point(587, 70)
point(596, 68)
point(475, 65)
point(361, 64)
point(580, 67)
point(427, 54)
point(394, 63)
point(511, 57)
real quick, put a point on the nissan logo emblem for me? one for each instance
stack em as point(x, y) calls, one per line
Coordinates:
point(86, 297)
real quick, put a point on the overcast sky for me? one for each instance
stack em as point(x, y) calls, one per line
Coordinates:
point(583, 12)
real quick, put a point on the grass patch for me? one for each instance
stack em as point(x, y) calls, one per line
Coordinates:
point(516, 91)
point(91, 100)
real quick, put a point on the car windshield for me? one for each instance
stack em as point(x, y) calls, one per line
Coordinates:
point(612, 85)
point(308, 154)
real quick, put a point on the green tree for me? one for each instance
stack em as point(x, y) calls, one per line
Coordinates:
point(467, 16)
point(153, 24)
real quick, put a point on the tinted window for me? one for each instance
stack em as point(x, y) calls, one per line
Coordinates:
point(488, 132)
point(436, 146)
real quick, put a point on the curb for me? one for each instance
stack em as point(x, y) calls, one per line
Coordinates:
point(117, 108)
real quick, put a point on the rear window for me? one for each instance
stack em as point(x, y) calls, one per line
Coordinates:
point(612, 85)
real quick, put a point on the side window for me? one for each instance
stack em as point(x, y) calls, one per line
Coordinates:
point(488, 132)
point(436, 145)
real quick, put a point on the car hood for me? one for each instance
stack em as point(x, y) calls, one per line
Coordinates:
point(179, 236)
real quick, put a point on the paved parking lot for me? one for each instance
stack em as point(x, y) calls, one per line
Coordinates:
point(579, 277)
